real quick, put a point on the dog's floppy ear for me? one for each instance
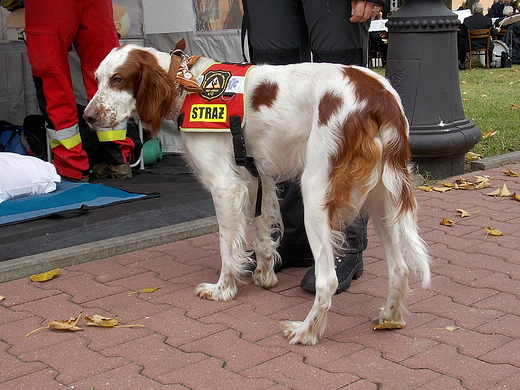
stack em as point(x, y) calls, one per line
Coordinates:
point(156, 94)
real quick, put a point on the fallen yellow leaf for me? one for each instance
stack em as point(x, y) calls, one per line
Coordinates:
point(473, 156)
point(509, 172)
point(482, 182)
point(447, 222)
point(426, 188)
point(515, 196)
point(504, 191)
point(69, 325)
point(494, 193)
point(493, 232)
point(103, 322)
point(145, 290)
point(463, 213)
point(451, 328)
point(2, 298)
point(449, 185)
point(489, 133)
point(441, 189)
point(43, 277)
point(389, 325)
point(464, 186)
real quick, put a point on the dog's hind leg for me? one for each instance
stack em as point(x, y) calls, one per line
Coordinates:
point(267, 230)
point(231, 198)
point(321, 239)
point(402, 248)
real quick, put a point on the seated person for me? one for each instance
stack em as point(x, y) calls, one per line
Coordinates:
point(508, 11)
point(477, 21)
point(512, 40)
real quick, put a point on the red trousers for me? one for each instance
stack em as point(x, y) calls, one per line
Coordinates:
point(52, 27)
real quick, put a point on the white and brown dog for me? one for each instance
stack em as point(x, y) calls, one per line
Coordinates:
point(340, 130)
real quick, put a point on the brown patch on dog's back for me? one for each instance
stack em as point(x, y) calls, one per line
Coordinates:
point(264, 94)
point(330, 103)
point(359, 153)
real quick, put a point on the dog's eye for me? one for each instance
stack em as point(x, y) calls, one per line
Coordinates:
point(117, 80)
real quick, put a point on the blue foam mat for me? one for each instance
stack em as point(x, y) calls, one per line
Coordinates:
point(67, 196)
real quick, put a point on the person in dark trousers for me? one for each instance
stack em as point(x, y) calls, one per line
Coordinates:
point(283, 32)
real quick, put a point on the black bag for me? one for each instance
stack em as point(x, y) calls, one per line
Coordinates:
point(12, 139)
point(35, 134)
point(505, 60)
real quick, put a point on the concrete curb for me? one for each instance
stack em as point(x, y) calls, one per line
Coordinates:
point(29, 265)
point(495, 161)
point(34, 264)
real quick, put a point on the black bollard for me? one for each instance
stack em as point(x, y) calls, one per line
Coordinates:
point(422, 66)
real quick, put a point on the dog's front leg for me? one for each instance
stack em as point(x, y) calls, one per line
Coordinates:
point(230, 197)
point(225, 289)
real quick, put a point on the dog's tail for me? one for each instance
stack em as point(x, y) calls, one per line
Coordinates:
point(396, 179)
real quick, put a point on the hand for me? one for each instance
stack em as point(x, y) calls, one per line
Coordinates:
point(363, 11)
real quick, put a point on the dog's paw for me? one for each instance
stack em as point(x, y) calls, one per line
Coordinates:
point(215, 292)
point(265, 279)
point(392, 320)
point(296, 333)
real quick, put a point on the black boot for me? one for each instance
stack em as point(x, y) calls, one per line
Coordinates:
point(347, 268)
point(291, 255)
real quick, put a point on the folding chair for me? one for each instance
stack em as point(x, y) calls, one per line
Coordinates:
point(479, 36)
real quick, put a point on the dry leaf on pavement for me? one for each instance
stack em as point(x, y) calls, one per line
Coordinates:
point(494, 193)
point(441, 189)
point(389, 325)
point(105, 322)
point(43, 277)
point(482, 182)
point(451, 328)
point(504, 191)
point(447, 222)
point(144, 290)
point(70, 325)
point(463, 213)
point(509, 172)
point(493, 232)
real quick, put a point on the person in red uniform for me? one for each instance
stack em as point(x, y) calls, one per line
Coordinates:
point(52, 27)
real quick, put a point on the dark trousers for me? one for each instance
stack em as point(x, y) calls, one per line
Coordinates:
point(283, 32)
point(291, 207)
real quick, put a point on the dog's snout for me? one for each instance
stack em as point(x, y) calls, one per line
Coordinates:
point(90, 115)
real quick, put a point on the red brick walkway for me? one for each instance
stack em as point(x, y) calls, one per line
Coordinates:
point(463, 333)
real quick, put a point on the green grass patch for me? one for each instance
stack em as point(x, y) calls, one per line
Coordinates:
point(491, 99)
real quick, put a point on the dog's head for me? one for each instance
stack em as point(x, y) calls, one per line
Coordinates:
point(136, 80)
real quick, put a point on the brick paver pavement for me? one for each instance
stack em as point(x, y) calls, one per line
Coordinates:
point(463, 333)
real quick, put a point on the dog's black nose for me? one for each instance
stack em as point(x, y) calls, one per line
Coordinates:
point(90, 116)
